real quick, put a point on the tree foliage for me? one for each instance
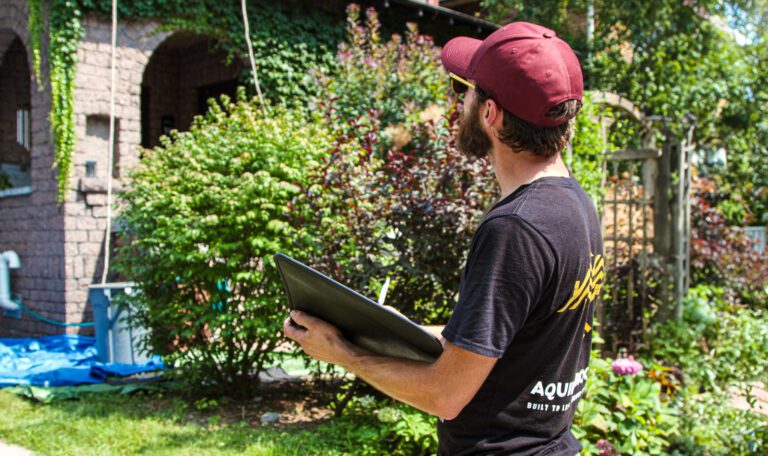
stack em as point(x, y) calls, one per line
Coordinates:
point(704, 57)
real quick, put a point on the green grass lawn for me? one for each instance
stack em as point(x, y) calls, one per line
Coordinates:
point(151, 424)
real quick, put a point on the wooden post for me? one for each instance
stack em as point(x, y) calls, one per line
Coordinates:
point(662, 239)
point(678, 226)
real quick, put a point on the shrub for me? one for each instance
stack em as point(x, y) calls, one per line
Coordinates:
point(205, 213)
point(717, 344)
point(715, 351)
point(622, 413)
point(712, 426)
point(395, 197)
point(588, 150)
point(373, 426)
point(397, 78)
point(5, 182)
point(722, 255)
point(409, 215)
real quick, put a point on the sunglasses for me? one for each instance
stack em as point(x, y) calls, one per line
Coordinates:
point(459, 84)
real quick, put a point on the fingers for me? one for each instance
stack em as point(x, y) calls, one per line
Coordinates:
point(393, 309)
point(292, 332)
point(304, 319)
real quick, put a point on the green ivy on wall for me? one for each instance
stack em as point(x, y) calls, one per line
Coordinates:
point(66, 30)
point(36, 26)
point(289, 39)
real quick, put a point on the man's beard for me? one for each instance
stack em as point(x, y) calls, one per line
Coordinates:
point(472, 140)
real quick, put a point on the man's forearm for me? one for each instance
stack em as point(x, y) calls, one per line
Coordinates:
point(441, 388)
point(413, 382)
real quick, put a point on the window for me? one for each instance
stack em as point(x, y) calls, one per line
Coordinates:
point(758, 235)
point(22, 126)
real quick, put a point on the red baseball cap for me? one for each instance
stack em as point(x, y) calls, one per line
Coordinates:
point(523, 67)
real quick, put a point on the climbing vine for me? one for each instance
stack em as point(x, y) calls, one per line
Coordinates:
point(66, 30)
point(36, 31)
point(289, 38)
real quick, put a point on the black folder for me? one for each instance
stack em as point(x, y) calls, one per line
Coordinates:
point(362, 321)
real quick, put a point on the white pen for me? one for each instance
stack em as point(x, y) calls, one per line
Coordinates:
point(383, 292)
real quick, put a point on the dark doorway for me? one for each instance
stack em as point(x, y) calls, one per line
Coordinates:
point(15, 127)
point(184, 71)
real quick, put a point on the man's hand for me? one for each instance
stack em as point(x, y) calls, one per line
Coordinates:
point(441, 388)
point(319, 340)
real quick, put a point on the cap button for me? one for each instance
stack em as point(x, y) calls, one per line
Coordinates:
point(548, 34)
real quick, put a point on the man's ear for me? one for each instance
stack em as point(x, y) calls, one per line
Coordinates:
point(492, 114)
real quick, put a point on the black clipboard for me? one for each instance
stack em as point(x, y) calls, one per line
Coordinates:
point(362, 321)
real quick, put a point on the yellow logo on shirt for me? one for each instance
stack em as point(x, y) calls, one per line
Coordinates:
point(588, 289)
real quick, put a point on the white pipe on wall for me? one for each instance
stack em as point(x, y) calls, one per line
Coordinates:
point(8, 260)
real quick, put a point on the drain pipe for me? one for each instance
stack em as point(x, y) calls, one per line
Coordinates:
point(8, 260)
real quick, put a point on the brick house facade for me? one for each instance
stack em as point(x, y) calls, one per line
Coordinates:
point(163, 80)
point(61, 247)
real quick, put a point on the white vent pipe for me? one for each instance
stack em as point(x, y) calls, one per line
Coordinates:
point(8, 260)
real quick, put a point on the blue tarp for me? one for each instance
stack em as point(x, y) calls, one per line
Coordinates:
point(61, 360)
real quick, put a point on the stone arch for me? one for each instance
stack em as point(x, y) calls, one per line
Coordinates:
point(184, 70)
point(629, 109)
point(14, 23)
point(15, 112)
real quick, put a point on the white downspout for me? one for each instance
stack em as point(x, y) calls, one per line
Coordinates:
point(8, 260)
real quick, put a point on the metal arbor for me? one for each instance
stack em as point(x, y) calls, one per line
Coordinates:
point(646, 225)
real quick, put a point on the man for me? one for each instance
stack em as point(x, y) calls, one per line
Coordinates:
point(516, 349)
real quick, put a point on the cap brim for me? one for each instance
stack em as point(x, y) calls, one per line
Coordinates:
point(457, 55)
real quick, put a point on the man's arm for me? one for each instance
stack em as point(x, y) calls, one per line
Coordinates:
point(441, 388)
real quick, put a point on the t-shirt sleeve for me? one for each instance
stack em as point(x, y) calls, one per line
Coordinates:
point(509, 264)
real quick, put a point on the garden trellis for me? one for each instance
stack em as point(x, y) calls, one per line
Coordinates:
point(646, 224)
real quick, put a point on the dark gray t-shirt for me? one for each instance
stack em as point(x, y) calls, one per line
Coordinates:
point(528, 293)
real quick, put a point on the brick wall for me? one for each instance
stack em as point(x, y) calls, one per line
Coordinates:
point(86, 207)
point(176, 72)
point(31, 224)
point(61, 246)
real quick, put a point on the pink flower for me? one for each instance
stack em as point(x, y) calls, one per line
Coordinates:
point(626, 366)
point(606, 448)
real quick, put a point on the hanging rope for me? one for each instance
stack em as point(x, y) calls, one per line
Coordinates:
point(250, 55)
point(111, 149)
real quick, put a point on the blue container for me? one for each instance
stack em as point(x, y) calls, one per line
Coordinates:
point(117, 341)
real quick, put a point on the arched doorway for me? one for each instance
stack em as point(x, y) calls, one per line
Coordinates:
point(182, 74)
point(15, 129)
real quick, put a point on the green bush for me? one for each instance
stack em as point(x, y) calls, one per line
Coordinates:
point(5, 182)
point(588, 150)
point(205, 213)
point(711, 426)
point(716, 350)
point(396, 78)
point(716, 344)
point(623, 412)
point(373, 426)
